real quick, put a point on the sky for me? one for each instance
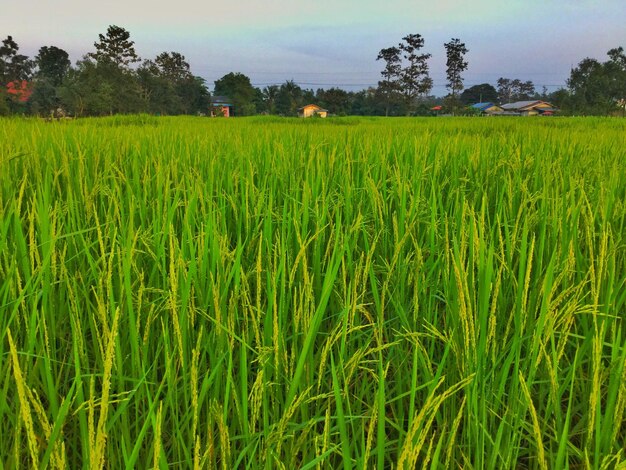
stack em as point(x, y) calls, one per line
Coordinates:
point(324, 43)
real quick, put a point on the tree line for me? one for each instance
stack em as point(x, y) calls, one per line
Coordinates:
point(112, 79)
point(102, 82)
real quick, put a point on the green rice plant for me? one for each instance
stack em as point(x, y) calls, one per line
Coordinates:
point(281, 293)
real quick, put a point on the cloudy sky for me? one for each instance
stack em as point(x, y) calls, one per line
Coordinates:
point(323, 43)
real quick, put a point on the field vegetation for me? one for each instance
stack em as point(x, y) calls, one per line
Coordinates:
point(341, 293)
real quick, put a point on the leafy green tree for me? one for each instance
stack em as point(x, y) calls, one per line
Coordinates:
point(456, 65)
point(335, 100)
point(173, 66)
point(237, 87)
point(259, 101)
point(415, 78)
point(15, 70)
point(158, 91)
point(194, 95)
point(289, 98)
point(13, 66)
point(269, 95)
point(479, 93)
point(103, 82)
point(115, 47)
point(405, 74)
point(616, 70)
point(52, 64)
point(588, 84)
point(369, 103)
point(562, 99)
point(308, 97)
point(102, 88)
point(598, 87)
point(4, 105)
point(452, 104)
point(44, 100)
point(169, 86)
point(618, 56)
point(391, 85)
point(514, 90)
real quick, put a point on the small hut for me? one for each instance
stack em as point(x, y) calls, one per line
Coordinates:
point(221, 106)
point(311, 110)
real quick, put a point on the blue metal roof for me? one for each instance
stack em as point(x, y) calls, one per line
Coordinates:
point(482, 106)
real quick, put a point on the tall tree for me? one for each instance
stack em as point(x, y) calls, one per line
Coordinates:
point(369, 103)
point(158, 91)
point(415, 79)
point(98, 88)
point(170, 87)
point(335, 100)
point(13, 66)
point(52, 64)
point(269, 95)
point(618, 56)
point(456, 65)
point(115, 47)
point(194, 95)
point(599, 87)
point(526, 90)
point(514, 90)
point(15, 70)
point(173, 66)
point(390, 86)
point(104, 82)
point(616, 70)
point(289, 98)
point(505, 90)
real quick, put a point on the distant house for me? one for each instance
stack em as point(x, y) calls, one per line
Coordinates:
point(529, 108)
point(312, 110)
point(487, 108)
point(221, 106)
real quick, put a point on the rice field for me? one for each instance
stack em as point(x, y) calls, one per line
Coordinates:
point(343, 293)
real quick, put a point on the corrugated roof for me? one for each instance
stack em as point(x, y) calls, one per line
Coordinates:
point(482, 106)
point(317, 108)
point(520, 104)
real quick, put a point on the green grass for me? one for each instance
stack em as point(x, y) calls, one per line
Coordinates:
point(341, 293)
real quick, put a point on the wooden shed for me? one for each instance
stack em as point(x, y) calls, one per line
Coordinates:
point(311, 110)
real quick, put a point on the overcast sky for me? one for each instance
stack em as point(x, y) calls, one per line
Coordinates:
point(323, 43)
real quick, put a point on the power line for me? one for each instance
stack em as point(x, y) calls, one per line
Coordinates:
point(373, 73)
point(373, 84)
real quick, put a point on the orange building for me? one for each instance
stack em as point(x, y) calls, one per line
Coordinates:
point(311, 110)
point(221, 106)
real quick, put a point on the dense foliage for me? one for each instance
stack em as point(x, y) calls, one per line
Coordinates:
point(273, 293)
